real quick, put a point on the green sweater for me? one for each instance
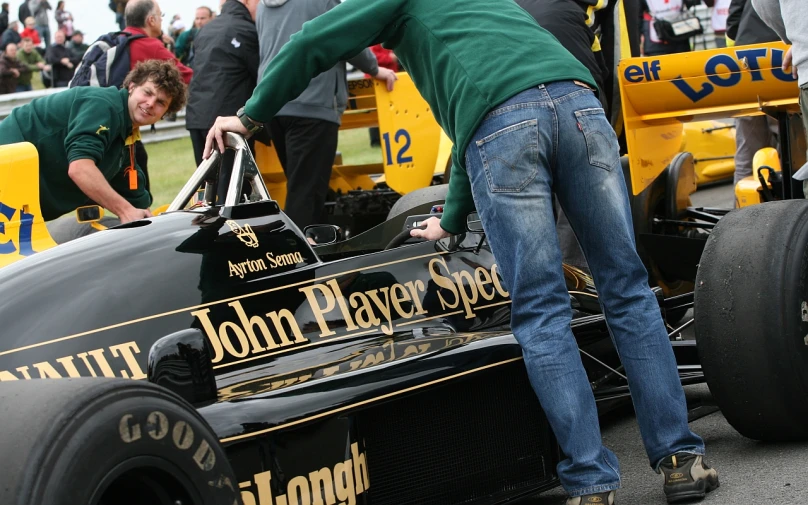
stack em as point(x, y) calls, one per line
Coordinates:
point(29, 60)
point(78, 123)
point(464, 56)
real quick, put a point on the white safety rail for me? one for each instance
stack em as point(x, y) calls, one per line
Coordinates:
point(163, 130)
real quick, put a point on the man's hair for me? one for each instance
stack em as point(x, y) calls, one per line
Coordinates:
point(4, 6)
point(210, 11)
point(165, 76)
point(137, 11)
point(26, 39)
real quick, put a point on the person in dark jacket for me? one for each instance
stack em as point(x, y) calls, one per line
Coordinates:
point(752, 133)
point(24, 11)
point(10, 70)
point(226, 66)
point(305, 130)
point(10, 36)
point(3, 17)
point(61, 60)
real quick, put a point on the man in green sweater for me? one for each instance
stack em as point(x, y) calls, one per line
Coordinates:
point(85, 139)
point(525, 123)
point(31, 60)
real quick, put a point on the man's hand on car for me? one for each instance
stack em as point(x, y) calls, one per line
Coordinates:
point(788, 64)
point(134, 214)
point(223, 124)
point(433, 230)
point(386, 75)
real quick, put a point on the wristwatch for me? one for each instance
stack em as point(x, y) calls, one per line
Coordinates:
point(251, 126)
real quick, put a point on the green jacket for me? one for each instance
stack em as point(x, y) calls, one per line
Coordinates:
point(464, 56)
point(184, 45)
point(29, 60)
point(78, 123)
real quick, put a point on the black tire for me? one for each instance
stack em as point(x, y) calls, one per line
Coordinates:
point(107, 441)
point(752, 319)
point(419, 199)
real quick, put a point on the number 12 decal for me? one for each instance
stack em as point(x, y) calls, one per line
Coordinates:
point(401, 157)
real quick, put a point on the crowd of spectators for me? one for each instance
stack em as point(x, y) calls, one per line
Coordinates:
point(29, 50)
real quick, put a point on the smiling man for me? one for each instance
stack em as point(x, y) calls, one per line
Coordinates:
point(85, 138)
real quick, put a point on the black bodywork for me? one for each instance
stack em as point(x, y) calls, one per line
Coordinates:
point(343, 373)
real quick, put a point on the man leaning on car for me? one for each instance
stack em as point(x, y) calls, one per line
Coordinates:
point(85, 139)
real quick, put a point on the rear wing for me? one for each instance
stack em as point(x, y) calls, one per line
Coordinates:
point(660, 93)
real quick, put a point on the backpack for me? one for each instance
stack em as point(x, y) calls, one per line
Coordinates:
point(106, 61)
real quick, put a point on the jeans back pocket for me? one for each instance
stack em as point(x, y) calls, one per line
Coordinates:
point(510, 156)
point(601, 142)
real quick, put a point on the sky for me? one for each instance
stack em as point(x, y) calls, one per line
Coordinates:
point(93, 17)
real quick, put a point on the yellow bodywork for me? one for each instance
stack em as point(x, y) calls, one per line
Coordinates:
point(712, 144)
point(22, 229)
point(414, 147)
point(747, 191)
point(659, 94)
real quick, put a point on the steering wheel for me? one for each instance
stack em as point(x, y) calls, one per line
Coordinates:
point(402, 238)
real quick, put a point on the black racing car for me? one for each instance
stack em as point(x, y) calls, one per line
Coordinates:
point(274, 366)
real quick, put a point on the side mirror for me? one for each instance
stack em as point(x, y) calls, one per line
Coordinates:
point(322, 234)
point(181, 362)
point(89, 214)
point(473, 223)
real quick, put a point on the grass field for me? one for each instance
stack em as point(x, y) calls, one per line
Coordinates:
point(171, 163)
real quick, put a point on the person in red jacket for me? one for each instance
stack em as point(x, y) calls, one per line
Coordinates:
point(30, 31)
point(145, 17)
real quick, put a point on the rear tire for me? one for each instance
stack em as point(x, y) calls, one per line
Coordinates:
point(107, 441)
point(420, 199)
point(752, 319)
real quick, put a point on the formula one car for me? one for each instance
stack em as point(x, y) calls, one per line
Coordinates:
point(747, 266)
point(217, 354)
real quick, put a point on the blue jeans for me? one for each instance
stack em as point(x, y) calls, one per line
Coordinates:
point(23, 87)
point(555, 138)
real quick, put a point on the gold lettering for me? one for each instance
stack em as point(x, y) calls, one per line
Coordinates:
point(264, 491)
point(276, 317)
point(183, 435)
point(360, 469)
point(127, 352)
point(157, 425)
point(346, 314)
point(298, 491)
point(319, 311)
point(322, 480)
point(384, 307)
point(234, 269)
point(437, 278)
point(46, 371)
point(24, 371)
point(249, 324)
point(210, 331)
point(414, 287)
point(464, 279)
point(128, 432)
point(495, 278)
point(70, 368)
point(364, 316)
point(247, 498)
point(228, 345)
point(5, 375)
point(483, 278)
point(344, 482)
point(83, 356)
point(397, 300)
point(271, 258)
point(327, 372)
point(101, 361)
